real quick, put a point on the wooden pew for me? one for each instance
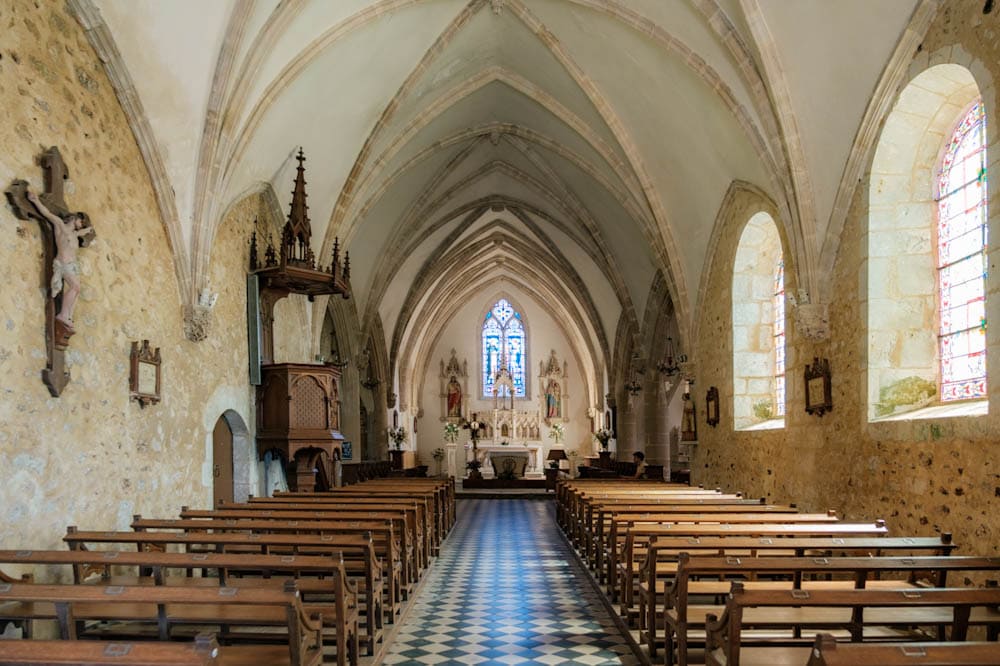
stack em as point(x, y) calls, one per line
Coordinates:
point(426, 520)
point(665, 553)
point(317, 578)
point(442, 493)
point(630, 556)
point(402, 526)
point(436, 497)
point(411, 513)
point(204, 651)
point(233, 570)
point(828, 652)
point(168, 608)
point(598, 515)
point(587, 507)
point(387, 548)
point(699, 578)
point(800, 614)
point(358, 551)
point(626, 532)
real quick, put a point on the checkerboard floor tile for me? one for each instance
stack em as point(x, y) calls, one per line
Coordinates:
point(507, 590)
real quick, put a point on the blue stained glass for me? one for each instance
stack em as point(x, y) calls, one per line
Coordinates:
point(504, 340)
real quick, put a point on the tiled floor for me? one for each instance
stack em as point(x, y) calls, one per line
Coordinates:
point(507, 590)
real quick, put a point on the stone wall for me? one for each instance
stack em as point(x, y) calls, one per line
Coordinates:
point(92, 457)
point(922, 476)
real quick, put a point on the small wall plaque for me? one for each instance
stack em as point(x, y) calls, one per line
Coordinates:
point(144, 374)
point(712, 406)
point(819, 394)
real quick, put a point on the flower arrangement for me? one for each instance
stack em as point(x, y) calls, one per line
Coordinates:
point(505, 443)
point(450, 433)
point(603, 436)
point(474, 465)
point(438, 454)
point(398, 436)
point(557, 432)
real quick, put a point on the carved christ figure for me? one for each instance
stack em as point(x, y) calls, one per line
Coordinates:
point(454, 398)
point(69, 233)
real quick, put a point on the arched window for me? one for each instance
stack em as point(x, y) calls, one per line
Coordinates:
point(759, 327)
point(926, 243)
point(504, 344)
point(961, 259)
point(779, 339)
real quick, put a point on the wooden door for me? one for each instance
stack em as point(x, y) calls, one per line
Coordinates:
point(222, 456)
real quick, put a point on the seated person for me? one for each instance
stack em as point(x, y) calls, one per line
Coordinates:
point(639, 458)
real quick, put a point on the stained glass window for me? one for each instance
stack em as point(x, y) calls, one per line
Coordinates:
point(779, 339)
point(504, 341)
point(961, 250)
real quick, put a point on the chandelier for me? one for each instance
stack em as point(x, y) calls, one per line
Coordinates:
point(671, 363)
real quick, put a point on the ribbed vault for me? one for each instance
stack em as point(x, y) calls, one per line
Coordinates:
point(607, 132)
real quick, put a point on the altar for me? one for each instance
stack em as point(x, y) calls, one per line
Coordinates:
point(527, 457)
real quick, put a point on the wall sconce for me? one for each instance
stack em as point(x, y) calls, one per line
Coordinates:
point(671, 364)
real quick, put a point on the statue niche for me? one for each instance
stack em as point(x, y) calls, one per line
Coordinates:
point(553, 379)
point(454, 380)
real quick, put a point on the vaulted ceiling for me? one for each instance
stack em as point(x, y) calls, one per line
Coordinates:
point(575, 147)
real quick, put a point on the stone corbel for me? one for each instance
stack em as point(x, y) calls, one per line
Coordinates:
point(688, 371)
point(812, 320)
point(390, 400)
point(198, 317)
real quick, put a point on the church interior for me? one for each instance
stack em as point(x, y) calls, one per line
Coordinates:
point(265, 250)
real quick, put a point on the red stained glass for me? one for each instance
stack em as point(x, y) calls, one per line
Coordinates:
point(961, 247)
point(779, 339)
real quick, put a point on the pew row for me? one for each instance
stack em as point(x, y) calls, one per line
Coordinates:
point(790, 620)
point(165, 609)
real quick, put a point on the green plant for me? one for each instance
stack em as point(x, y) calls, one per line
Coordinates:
point(398, 436)
point(557, 432)
point(907, 393)
point(763, 409)
point(450, 433)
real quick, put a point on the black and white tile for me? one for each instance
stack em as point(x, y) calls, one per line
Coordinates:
point(507, 590)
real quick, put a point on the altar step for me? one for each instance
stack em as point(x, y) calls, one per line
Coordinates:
point(504, 484)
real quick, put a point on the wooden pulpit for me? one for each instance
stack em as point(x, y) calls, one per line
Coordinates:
point(298, 414)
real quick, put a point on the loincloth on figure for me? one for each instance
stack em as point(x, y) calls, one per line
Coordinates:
point(60, 269)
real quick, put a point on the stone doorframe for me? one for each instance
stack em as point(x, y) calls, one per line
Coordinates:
point(244, 463)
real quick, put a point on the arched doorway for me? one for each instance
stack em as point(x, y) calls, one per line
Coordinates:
point(234, 468)
point(222, 462)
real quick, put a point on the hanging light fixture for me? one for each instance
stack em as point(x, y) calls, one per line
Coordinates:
point(671, 363)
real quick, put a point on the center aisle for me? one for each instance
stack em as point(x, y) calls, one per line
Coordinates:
point(507, 590)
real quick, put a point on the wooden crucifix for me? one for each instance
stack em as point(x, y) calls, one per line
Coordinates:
point(63, 231)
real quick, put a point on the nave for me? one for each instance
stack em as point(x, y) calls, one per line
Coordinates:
point(507, 589)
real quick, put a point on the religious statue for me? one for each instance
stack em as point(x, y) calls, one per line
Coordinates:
point(69, 233)
point(688, 427)
point(553, 396)
point(454, 398)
